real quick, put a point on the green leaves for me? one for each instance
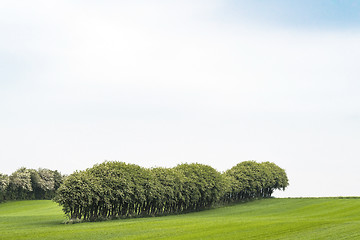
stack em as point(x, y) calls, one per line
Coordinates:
point(29, 184)
point(116, 189)
point(21, 179)
point(4, 182)
point(255, 180)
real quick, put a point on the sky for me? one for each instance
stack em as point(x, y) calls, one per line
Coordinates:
point(159, 83)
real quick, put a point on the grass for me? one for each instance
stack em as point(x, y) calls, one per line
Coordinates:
point(307, 218)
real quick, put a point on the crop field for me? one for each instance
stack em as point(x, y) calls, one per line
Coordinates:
point(307, 218)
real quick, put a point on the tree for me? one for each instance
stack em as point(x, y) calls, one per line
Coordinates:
point(20, 186)
point(278, 179)
point(202, 185)
point(43, 183)
point(4, 183)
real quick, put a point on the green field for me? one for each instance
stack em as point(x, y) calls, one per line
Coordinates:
point(309, 218)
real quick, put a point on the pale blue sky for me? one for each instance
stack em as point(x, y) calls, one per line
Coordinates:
point(160, 83)
point(319, 14)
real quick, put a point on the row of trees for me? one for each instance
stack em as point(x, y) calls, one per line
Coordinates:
point(117, 189)
point(29, 184)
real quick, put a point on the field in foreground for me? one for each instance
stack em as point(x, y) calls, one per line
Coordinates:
point(312, 218)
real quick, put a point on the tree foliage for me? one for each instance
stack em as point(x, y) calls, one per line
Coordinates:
point(29, 184)
point(253, 180)
point(4, 183)
point(116, 189)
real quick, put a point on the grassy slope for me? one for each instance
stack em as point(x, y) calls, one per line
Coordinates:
point(324, 218)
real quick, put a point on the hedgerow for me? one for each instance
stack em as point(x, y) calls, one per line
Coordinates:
point(29, 184)
point(116, 189)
